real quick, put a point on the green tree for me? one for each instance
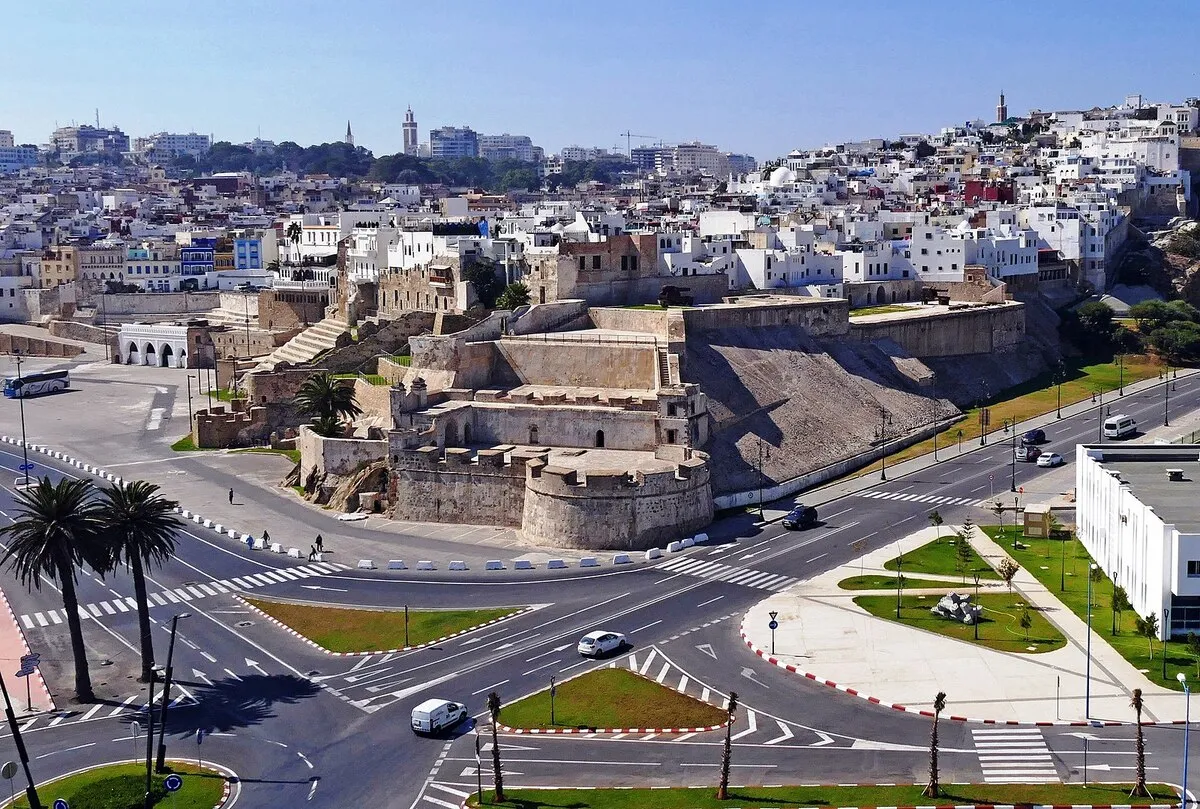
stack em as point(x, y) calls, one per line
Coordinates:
point(1148, 628)
point(964, 555)
point(1026, 619)
point(934, 789)
point(326, 401)
point(935, 519)
point(56, 531)
point(493, 707)
point(138, 527)
point(1152, 315)
point(514, 295)
point(1120, 603)
point(1178, 341)
point(1139, 786)
point(1193, 642)
point(487, 282)
point(1008, 571)
point(998, 509)
point(727, 748)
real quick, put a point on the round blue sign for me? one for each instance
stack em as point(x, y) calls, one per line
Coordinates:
point(61, 803)
point(173, 783)
point(773, 625)
point(25, 467)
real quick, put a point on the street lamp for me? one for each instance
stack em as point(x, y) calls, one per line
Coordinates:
point(1087, 694)
point(1013, 424)
point(1121, 382)
point(21, 402)
point(161, 763)
point(148, 798)
point(1058, 380)
point(1187, 724)
point(884, 421)
point(899, 582)
point(1167, 396)
point(1100, 416)
point(977, 610)
point(764, 453)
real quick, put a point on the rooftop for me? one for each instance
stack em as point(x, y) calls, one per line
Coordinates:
point(1144, 469)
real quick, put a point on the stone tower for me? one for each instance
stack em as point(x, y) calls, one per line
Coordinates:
point(1001, 110)
point(410, 133)
point(349, 134)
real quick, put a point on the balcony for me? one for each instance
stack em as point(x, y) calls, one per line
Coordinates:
point(441, 281)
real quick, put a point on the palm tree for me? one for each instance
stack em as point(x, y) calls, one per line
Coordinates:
point(727, 752)
point(323, 397)
point(934, 789)
point(1139, 786)
point(493, 706)
point(294, 233)
point(55, 533)
point(138, 527)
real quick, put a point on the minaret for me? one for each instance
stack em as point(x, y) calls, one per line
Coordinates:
point(1001, 110)
point(349, 134)
point(410, 133)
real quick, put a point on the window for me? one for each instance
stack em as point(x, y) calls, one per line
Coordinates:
point(1193, 569)
point(583, 262)
point(624, 262)
point(924, 251)
point(595, 262)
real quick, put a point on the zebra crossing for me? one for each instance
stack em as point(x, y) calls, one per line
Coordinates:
point(1014, 756)
point(188, 592)
point(930, 499)
point(134, 704)
point(746, 577)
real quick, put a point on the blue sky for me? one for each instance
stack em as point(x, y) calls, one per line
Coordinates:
point(757, 77)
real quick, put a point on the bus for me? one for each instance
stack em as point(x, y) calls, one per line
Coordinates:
point(16, 387)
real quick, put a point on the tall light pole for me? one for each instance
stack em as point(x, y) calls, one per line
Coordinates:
point(1058, 380)
point(161, 762)
point(1187, 724)
point(21, 402)
point(148, 798)
point(1167, 396)
point(884, 420)
point(1121, 382)
point(1100, 417)
point(1013, 427)
point(764, 453)
point(30, 790)
point(1087, 693)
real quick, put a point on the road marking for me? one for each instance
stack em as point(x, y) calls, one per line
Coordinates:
point(555, 650)
point(785, 731)
point(710, 601)
point(683, 683)
point(662, 673)
point(208, 657)
point(27, 621)
point(752, 727)
point(159, 601)
point(90, 713)
point(647, 626)
point(649, 659)
point(440, 802)
point(685, 736)
point(123, 705)
point(539, 668)
point(704, 694)
point(815, 558)
point(234, 676)
point(41, 619)
point(207, 590)
point(487, 688)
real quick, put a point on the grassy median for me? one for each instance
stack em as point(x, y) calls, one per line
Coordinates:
point(612, 698)
point(1000, 627)
point(882, 582)
point(345, 629)
point(822, 796)
point(118, 786)
point(940, 558)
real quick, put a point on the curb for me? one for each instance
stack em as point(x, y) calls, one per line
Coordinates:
point(1094, 723)
point(322, 649)
point(24, 642)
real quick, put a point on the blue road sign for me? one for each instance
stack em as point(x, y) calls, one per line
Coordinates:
point(773, 625)
point(173, 783)
point(61, 803)
point(25, 467)
point(199, 735)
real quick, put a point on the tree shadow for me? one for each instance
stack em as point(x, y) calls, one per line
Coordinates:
point(230, 704)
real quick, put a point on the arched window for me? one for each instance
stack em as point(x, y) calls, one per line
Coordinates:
point(599, 438)
point(533, 434)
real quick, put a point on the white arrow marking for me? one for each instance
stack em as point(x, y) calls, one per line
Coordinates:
point(707, 649)
point(1088, 736)
point(319, 587)
point(752, 726)
point(751, 675)
point(786, 731)
point(547, 654)
point(825, 739)
point(477, 771)
point(1107, 767)
point(250, 664)
point(505, 646)
point(199, 675)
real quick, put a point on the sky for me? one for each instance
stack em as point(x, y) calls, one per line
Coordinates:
point(747, 76)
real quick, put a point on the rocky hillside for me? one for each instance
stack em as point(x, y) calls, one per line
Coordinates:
point(1167, 260)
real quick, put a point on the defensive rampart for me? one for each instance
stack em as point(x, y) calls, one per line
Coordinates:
point(485, 490)
point(947, 333)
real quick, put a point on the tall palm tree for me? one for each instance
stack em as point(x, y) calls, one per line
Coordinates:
point(493, 706)
point(324, 397)
point(934, 789)
point(727, 751)
point(56, 531)
point(138, 527)
point(1139, 786)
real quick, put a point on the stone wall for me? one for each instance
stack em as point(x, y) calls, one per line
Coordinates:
point(72, 330)
point(827, 317)
point(239, 303)
point(388, 337)
point(238, 341)
point(549, 317)
point(156, 303)
point(615, 509)
point(375, 401)
point(633, 291)
point(36, 346)
point(571, 364)
point(485, 491)
point(264, 387)
point(966, 330)
point(290, 308)
point(221, 428)
point(551, 424)
point(643, 321)
point(336, 456)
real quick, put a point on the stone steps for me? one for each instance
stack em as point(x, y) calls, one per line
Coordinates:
point(306, 345)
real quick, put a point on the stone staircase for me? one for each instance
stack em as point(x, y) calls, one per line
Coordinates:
point(306, 345)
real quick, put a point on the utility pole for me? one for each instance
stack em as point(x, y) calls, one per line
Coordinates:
point(764, 453)
point(884, 419)
point(30, 790)
point(161, 762)
point(21, 403)
point(1167, 396)
point(1100, 416)
point(148, 799)
point(1013, 488)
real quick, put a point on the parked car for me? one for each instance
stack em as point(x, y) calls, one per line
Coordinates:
point(600, 643)
point(435, 715)
point(1049, 459)
point(800, 517)
point(1028, 453)
point(1034, 437)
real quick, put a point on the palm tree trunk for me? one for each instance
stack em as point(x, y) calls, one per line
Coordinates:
point(143, 610)
point(83, 679)
point(1139, 787)
point(933, 788)
point(497, 776)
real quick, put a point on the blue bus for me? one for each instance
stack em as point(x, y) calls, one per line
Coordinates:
point(16, 387)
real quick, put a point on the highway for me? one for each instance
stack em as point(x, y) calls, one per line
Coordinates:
point(298, 725)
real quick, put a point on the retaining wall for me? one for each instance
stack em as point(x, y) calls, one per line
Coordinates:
point(973, 330)
point(336, 456)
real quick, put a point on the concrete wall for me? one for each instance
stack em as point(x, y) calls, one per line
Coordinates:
point(615, 509)
point(557, 426)
point(702, 288)
point(819, 318)
point(239, 303)
point(156, 303)
point(645, 321)
point(36, 346)
point(335, 456)
point(604, 365)
point(975, 330)
point(546, 317)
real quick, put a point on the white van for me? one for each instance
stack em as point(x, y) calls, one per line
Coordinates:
point(436, 715)
point(1119, 427)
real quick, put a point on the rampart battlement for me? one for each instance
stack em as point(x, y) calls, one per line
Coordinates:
point(551, 479)
point(500, 461)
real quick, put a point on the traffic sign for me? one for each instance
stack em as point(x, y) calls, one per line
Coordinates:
point(773, 625)
point(9, 770)
point(31, 659)
point(173, 783)
point(25, 467)
point(991, 477)
point(61, 803)
point(25, 672)
point(199, 735)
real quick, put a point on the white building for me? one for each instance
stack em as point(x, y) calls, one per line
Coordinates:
point(15, 158)
point(6, 139)
point(1138, 520)
point(506, 147)
point(162, 145)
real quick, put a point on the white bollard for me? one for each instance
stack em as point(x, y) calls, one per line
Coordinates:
point(277, 547)
point(687, 542)
point(458, 564)
point(523, 564)
point(425, 564)
point(220, 529)
point(589, 561)
point(294, 553)
point(208, 523)
point(366, 564)
point(259, 545)
point(653, 553)
point(555, 564)
point(397, 564)
point(493, 564)
point(233, 535)
point(621, 559)
point(701, 538)
point(674, 547)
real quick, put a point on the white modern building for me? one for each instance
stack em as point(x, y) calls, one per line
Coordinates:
point(1136, 515)
point(162, 145)
point(506, 147)
point(451, 142)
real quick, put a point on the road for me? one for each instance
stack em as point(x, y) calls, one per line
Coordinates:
point(298, 725)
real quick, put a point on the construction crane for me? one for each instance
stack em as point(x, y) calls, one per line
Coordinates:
point(629, 136)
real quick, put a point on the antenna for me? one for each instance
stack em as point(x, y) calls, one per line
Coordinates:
point(97, 117)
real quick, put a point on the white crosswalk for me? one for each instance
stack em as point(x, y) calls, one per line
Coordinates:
point(1014, 756)
point(190, 592)
point(930, 499)
point(746, 577)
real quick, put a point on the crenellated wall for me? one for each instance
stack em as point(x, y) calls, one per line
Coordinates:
point(486, 490)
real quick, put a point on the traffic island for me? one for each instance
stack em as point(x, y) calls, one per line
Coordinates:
point(611, 700)
point(362, 630)
point(879, 582)
point(994, 796)
point(123, 786)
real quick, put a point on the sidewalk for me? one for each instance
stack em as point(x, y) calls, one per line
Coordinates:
point(12, 647)
point(823, 635)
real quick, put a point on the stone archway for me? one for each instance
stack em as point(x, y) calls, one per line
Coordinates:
point(880, 296)
point(466, 435)
point(133, 356)
point(148, 355)
point(182, 362)
point(533, 435)
point(599, 439)
point(451, 434)
point(166, 355)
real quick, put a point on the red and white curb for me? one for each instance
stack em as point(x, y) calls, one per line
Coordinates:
point(549, 731)
point(1094, 723)
point(25, 643)
point(320, 648)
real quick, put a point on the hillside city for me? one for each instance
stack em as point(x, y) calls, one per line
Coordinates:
point(859, 475)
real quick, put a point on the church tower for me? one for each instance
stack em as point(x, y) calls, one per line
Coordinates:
point(1001, 110)
point(350, 135)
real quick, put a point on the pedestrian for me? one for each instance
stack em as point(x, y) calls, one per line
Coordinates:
point(231, 496)
point(312, 552)
point(320, 544)
point(249, 542)
point(266, 537)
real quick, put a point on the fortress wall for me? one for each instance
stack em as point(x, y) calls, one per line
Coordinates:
point(335, 456)
point(488, 491)
point(826, 317)
point(645, 321)
point(604, 365)
point(558, 426)
point(615, 509)
point(977, 330)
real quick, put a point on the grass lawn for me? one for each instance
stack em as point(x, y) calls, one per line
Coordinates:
point(879, 581)
point(1034, 398)
point(341, 629)
point(886, 309)
point(821, 796)
point(1044, 559)
point(122, 786)
point(402, 359)
point(999, 628)
point(292, 455)
point(941, 558)
point(185, 444)
point(612, 698)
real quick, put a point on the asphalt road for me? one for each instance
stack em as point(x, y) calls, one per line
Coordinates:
point(299, 726)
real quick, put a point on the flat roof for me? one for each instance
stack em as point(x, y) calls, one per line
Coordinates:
point(1143, 468)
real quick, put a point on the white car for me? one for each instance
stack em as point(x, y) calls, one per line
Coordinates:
point(600, 642)
point(1050, 459)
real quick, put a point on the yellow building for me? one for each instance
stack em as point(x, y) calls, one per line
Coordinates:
point(60, 265)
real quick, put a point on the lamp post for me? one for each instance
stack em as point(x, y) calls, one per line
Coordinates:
point(30, 790)
point(1167, 626)
point(899, 582)
point(148, 798)
point(1100, 417)
point(1058, 380)
point(24, 443)
point(1013, 480)
point(1087, 693)
point(161, 763)
point(189, 387)
point(764, 454)
point(976, 605)
point(1167, 396)
point(553, 689)
point(884, 420)
point(1187, 724)
point(1121, 377)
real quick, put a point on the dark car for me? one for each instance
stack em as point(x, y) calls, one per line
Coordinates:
point(1028, 453)
point(800, 517)
point(1033, 438)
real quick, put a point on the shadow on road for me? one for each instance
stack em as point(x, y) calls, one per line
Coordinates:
point(230, 704)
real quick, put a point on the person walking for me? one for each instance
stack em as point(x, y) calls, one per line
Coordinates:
point(231, 496)
point(320, 544)
point(266, 537)
point(312, 553)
